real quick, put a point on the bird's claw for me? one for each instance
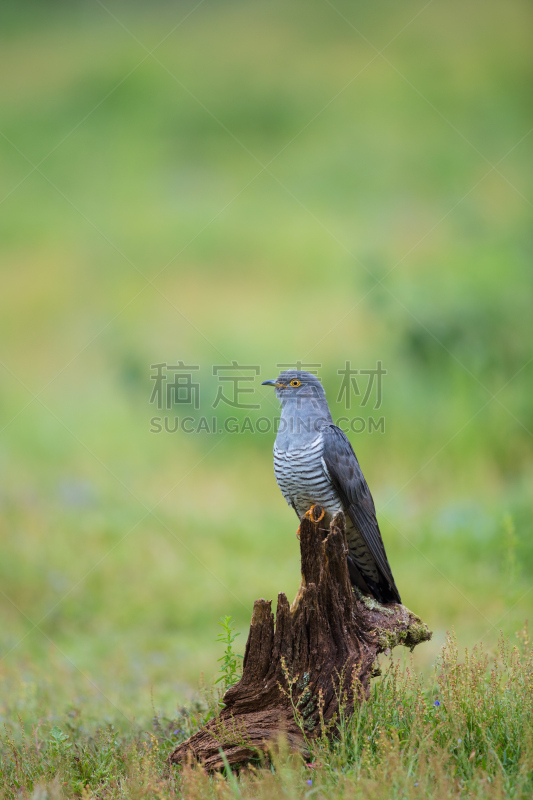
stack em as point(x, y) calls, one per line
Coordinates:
point(309, 514)
point(298, 532)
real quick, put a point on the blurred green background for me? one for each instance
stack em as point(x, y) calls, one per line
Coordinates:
point(258, 182)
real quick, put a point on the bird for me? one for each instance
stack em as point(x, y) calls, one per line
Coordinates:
point(315, 464)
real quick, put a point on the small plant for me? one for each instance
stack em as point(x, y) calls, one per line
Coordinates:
point(230, 667)
point(58, 741)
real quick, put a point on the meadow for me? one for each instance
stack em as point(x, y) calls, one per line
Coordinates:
point(328, 182)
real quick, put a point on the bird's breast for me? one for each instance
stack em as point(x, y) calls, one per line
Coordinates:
point(302, 477)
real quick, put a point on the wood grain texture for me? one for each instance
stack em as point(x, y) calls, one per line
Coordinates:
point(322, 647)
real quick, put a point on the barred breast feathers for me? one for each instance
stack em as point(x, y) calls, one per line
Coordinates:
point(302, 477)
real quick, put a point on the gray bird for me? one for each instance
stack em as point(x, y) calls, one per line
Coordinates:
point(315, 464)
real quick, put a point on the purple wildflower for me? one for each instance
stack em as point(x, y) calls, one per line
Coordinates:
point(309, 782)
point(437, 702)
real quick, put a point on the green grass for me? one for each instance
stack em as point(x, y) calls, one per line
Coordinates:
point(464, 733)
point(121, 549)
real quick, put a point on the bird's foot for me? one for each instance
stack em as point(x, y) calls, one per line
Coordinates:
point(298, 532)
point(309, 514)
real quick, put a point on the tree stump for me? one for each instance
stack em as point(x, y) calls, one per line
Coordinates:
point(321, 648)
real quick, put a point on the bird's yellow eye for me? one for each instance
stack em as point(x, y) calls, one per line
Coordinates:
point(295, 383)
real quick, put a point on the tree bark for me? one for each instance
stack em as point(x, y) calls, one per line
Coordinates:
point(321, 649)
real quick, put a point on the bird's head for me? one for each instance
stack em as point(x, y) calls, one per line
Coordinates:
point(301, 387)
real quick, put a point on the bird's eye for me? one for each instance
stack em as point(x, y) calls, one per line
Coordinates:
point(295, 383)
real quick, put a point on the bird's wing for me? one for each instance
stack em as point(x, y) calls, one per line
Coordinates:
point(345, 473)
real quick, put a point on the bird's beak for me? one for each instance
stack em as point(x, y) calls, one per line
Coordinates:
point(274, 383)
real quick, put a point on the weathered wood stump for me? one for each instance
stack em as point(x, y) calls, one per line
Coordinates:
point(321, 648)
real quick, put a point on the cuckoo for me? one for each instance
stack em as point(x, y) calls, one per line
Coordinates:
point(315, 464)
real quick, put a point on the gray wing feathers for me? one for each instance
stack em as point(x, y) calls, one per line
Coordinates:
point(344, 470)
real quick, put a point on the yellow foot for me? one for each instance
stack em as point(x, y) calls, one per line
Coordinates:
point(298, 532)
point(309, 514)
